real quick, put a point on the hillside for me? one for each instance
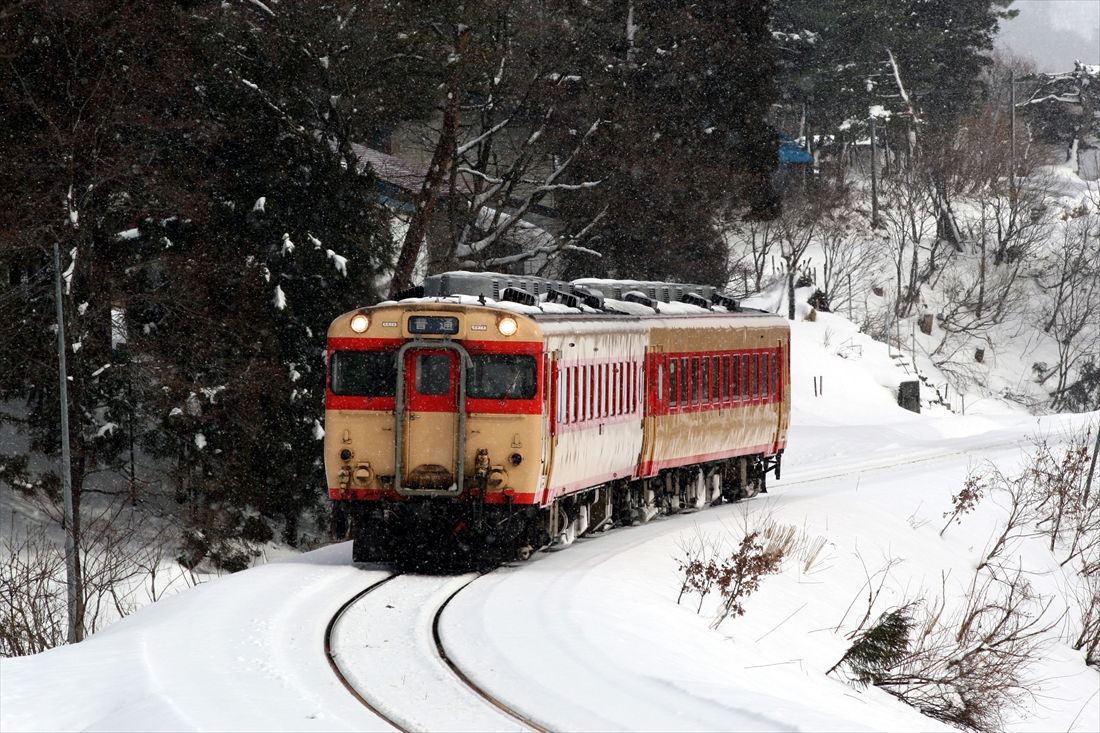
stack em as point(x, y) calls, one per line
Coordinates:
point(591, 637)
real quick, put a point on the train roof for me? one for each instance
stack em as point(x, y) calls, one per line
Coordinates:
point(542, 297)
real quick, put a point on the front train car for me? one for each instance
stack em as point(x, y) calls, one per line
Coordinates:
point(434, 429)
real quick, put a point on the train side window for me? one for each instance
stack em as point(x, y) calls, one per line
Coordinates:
point(364, 373)
point(585, 404)
point(593, 393)
point(607, 383)
point(611, 378)
point(605, 399)
point(597, 390)
point(776, 388)
point(746, 376)
point(715, 379)
point(624, 377)
point(576, 393)
point(764, 372)
point(622, 384)
point(695, 380)
point(754, 366)
point(685, 380)
point(559, 397)
point(660, 382)
point(673, 383)
point(705, 376)
point(618, 377)
point(724, 380)
point(637, 373)
point(634, 385)
point(581, 391)
point(567, 393)
point(737, 378)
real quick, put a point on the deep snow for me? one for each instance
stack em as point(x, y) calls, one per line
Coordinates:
point(591, 637)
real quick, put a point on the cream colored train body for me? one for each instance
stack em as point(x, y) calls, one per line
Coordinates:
point(459, 428)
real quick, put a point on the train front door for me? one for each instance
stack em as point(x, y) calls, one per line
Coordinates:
point(431, 420)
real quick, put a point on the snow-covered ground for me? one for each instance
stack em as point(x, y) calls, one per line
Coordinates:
point(591, 637)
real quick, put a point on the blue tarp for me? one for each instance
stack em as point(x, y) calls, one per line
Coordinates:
point(791, 152)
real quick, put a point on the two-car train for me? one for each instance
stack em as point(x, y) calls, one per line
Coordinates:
point(491, 415)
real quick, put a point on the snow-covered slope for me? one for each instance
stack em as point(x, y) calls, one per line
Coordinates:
point(591, 637)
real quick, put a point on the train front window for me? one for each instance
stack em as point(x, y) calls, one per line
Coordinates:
point(433, 374)
point(502, 377)
point(364, 373)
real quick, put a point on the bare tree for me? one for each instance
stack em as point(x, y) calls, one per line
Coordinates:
point(1071, 289)
point(910, 215)
point(1087, 638)
point(848, 253)
point(796, 229)
point(32, 593)
point(967, 667)
point(504, 146)
point(970, 668)
point(752, 240)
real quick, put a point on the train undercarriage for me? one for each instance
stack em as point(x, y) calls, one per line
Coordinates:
point(451, 535)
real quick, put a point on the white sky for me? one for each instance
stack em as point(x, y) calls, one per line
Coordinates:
point(1055, 32)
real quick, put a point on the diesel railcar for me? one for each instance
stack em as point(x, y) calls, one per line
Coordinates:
point(489, 415)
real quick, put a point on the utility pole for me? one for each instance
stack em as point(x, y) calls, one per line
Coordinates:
point(1012, 136)
point(874, 176)
point(72, 547)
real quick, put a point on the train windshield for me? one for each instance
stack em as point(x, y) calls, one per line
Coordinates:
point(502, 376)
point(364, 373)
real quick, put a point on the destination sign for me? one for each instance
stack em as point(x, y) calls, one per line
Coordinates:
point(446, 325)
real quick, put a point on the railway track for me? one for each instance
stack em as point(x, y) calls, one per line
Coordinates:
point(386, 648)
point(330, 655)
point(496, 702)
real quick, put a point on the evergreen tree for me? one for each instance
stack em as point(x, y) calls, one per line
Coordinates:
point(686, 132)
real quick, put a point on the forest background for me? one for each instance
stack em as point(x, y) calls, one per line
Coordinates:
point(204, 169)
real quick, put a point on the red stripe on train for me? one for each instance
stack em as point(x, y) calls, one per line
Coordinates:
point(650, 468)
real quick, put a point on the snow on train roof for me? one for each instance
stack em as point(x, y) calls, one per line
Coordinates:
point(544, 307)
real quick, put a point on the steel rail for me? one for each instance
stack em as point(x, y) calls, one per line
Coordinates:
point(466, 680)
point(336, 667)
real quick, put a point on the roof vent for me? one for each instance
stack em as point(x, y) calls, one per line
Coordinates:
point(636, 296)
point(417, 291)
point(726, 302)
point(557, 296)
point(693, 299)
point(591, 298)
point(518, 296)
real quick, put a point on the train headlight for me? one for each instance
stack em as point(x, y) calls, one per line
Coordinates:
point(507, 326)
point(360, 322)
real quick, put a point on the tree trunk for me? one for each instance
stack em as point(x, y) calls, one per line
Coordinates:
point(426, 199)
point(790, 291)
point(981, 269)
